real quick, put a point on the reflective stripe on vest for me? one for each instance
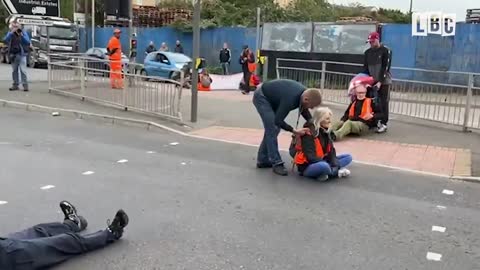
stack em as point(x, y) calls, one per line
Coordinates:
point(366, 109)
point(300, 157)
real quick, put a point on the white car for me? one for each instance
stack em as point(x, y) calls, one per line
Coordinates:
point(39, 10)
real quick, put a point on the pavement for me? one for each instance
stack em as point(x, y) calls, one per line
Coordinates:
point(410, 144)
point(201, 204)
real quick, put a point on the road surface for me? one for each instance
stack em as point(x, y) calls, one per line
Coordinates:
point(202, 205)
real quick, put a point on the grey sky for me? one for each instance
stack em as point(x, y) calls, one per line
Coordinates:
point(458, 7)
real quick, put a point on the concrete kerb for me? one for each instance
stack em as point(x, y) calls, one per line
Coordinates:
point(152, 125)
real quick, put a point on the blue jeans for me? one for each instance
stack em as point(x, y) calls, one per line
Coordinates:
point(323, 168)
point(226, 68)
point(19, 63)
point(268, 152)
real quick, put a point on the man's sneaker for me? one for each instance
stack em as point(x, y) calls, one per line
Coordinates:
point(382, 128)
point(13, 88)
point(70, 213)
point(322, 178)
point(280, 170)
point(343, 172)
point(119, 222)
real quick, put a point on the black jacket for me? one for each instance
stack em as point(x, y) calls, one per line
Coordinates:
point(284, 96)
point(225, 56)
point(150, 49)
point(251, 59)
point(377, 113)
point(179, 49)
point(377, 62)
point(308, 148)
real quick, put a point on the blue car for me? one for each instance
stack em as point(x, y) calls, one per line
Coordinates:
point(164, 64)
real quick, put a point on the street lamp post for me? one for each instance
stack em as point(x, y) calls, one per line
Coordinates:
point(196, 57)
point(93, 23)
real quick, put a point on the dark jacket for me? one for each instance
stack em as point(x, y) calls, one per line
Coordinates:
point(150, 49)
point(377, 113)
point(250, 59)
point(18, 44)
point(308, 148)
point(179, 48)
point(284, 96)
point(377, 62)
point(225, 56)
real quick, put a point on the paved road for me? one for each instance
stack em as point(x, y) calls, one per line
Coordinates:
point(202, 205)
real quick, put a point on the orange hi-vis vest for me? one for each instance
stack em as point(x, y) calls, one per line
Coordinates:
point(366, 109)
point(300, 157)
point(114, 43)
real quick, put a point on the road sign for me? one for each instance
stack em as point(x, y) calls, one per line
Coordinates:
point(50, 8)
point(34, 22)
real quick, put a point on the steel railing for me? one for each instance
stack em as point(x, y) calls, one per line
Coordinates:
point(89, 79)
point(443, 96)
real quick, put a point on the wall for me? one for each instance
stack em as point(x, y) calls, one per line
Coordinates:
point(211, 41)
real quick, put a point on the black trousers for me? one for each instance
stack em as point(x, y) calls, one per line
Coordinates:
point(48, 244)
point(246, 80)
point(384, 99)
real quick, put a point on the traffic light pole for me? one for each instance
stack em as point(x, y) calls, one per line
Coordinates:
point(133, 43)
point(196, 57)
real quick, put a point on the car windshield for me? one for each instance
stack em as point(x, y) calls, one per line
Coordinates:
point(179, 58)
point(60, 32)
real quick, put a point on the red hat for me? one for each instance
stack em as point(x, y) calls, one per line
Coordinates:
point(372, 36)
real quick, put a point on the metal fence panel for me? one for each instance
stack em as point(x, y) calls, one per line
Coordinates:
point(452, 103)
point(89, 78)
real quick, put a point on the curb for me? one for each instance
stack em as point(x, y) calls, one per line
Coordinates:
point(149, 125)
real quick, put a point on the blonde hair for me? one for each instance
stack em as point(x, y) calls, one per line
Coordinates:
point(319, 115)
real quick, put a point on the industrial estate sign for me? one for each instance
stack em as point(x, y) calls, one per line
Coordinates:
point(50, 8)
point(34, 22)
point(435, 23)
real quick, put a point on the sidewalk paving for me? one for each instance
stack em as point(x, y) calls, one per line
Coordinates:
point(228, 115)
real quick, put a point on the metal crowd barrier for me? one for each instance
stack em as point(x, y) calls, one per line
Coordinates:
point(442, 96)
point(89, 79)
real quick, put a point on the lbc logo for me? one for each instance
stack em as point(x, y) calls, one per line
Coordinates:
point(435, 23)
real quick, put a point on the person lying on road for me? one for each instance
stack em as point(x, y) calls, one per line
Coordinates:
point(48, 244)
point(314, 153)
point(361, 115)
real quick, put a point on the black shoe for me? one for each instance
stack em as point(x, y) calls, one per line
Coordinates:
point(70, 213)
point(264, 165)
point(280, 170)
point(119, 222)
point(13, 88)
point(25, 88)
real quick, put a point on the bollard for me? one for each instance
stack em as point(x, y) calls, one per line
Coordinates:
point(322, 79)
point(81, 64)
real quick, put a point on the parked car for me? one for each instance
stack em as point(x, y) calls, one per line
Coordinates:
point(103, 61)
point(165, 64)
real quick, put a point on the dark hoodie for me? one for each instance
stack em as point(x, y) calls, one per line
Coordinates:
point(179, 48)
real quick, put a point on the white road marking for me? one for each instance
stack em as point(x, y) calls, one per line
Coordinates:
point(88, 173)
point(47, 187)
point(448, 192)
point(431, 256)
point(183, 163)
point(438, 229)
point(174, 143)
point(441, 207)
point(3, 202)
point(151, 152)
point(5, 143)
point(122, 161)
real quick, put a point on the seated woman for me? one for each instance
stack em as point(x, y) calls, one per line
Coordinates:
point(361, 115)
point(204, 80)
point(315, 155)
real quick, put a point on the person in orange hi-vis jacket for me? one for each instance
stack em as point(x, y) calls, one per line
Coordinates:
point(114, 49)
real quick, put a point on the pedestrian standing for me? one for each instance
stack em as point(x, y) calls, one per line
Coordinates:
point(178, 47)
point(377, 64)
point(18, 49)
point(164, 47)
point(274, 100)
point(114, 49)
point(247, 60)
point(225, 59)
point(150, 48)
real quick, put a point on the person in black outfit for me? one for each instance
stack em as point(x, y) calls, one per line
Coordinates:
point(377, 64)
point(246, 58)
point(225, 58)
point(274, 100)
point(178, 47)
point(150, 48)
point(49, 244)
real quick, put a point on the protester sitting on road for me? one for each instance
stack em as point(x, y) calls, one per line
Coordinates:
point(315, 156)
point(361, 115)
point(45, 245)
point(274, 100)
point(204, 80)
